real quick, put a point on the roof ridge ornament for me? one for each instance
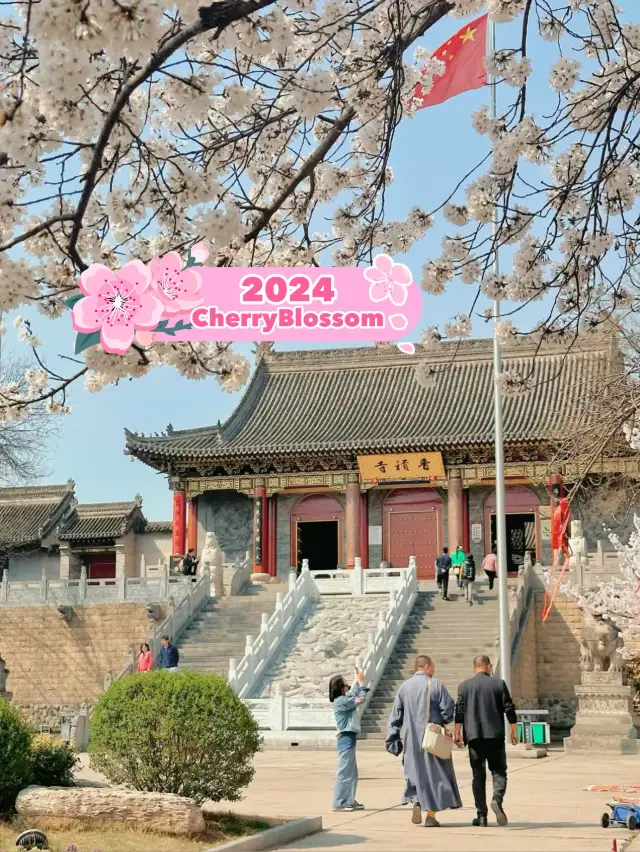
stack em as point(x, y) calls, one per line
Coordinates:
point(263, 350)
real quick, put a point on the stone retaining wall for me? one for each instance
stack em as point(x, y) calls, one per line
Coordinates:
point(57, 666)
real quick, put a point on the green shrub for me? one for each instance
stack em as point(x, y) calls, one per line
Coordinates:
point(53, 762)
point(182, 733)
point(15, 754)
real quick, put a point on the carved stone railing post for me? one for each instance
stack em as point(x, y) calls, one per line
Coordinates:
point(279, 709)
point(4, 588)
point(164, 582)
point(82, 588)
point(43, 584)
point(357, 578)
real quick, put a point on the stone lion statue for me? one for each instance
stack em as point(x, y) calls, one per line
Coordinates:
point(600, 645)
point(213, 556)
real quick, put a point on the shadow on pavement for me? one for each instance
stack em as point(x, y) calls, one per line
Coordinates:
point(328, 840)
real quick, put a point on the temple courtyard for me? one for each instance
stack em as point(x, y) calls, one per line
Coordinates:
point(546, 803)
point(548, 808)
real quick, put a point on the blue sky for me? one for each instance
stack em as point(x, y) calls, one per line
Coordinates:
point(432, 151)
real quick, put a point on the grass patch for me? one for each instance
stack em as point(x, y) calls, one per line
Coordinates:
point(93, 836)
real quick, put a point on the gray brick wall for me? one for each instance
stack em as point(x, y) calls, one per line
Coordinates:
point(230, 516)
point(375, 499)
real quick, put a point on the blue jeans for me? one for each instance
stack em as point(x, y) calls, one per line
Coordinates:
point(344, 790)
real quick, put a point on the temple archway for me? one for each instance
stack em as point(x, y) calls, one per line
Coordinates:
point(522, 508)
point(412, 526)
point(317, 532)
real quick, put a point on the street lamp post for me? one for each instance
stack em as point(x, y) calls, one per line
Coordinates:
point(501, 521)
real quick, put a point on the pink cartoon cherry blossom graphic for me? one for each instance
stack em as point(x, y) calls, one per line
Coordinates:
point(117, 304)
point(389, 280)
point(407, 348)
point(176, 287)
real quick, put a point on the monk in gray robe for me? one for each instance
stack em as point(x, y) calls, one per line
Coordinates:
point(431, 782)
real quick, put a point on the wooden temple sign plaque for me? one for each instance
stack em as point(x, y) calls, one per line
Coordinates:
point(400, 466)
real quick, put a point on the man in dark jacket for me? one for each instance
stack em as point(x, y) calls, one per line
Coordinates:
point(169, 656)
point(483, 702)
point(443, 566)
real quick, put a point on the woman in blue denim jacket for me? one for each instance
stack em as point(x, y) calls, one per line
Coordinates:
point(345, 700)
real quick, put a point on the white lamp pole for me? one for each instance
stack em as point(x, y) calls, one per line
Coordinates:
point(501, 521)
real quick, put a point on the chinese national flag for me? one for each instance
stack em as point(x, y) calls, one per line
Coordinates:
point(463, 56)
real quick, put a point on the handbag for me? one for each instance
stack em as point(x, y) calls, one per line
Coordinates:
point(435, 740)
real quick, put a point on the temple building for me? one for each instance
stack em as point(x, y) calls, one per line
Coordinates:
point(335, 454)
point(46, 532)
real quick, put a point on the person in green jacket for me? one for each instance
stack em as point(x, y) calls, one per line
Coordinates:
point(457, 561)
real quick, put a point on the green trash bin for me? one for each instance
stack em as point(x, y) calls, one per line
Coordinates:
point(538, 733)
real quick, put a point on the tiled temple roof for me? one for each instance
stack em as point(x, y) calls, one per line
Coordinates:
point(367, 399)
point(102, 521)
point(29, 514)
point(159, 527)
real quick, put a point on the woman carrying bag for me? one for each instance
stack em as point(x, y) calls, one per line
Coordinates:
point(422, 703)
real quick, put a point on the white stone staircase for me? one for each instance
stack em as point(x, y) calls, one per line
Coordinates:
point(219, 633)
point(327, 640)
point(451, 632)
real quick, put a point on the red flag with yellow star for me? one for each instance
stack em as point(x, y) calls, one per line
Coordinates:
point(463, 56)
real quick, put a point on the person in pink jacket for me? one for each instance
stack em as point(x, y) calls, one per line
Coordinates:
point(145, 659)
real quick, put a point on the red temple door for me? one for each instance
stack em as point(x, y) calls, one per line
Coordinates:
point(102, 566)
point(412, 527)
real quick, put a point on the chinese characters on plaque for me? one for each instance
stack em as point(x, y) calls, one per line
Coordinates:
point(414, 466)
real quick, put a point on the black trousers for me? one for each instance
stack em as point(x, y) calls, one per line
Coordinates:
point(481, 753)
point(492, 578)
point(443, 584)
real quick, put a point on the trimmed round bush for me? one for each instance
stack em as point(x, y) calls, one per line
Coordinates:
point(53, 762)
point(15, 755)
point(182, 732)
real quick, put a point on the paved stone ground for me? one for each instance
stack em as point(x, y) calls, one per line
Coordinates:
point(546, 804)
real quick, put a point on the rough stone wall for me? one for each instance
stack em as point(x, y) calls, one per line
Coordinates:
point(594, 529)
point(525, 674)
point(327, 640)
point(283, 533)
point(558, 658)
point(230, 516)
point(477, 496)
point(54, 665)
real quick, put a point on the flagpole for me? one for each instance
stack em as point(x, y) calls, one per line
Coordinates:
point(501, 520)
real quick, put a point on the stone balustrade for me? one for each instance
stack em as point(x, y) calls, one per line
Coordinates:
point(159, 587)
point(180, 614)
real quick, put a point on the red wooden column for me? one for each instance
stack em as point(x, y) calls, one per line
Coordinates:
point(466, 543)
point(260, 528)
point(364, 530)
point(353, 522)
point(179, 518)
point(454, 511)
point(272, 549)
point(192, 524)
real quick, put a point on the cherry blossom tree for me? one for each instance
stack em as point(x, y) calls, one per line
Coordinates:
point(131, 128)
point(618, 599)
